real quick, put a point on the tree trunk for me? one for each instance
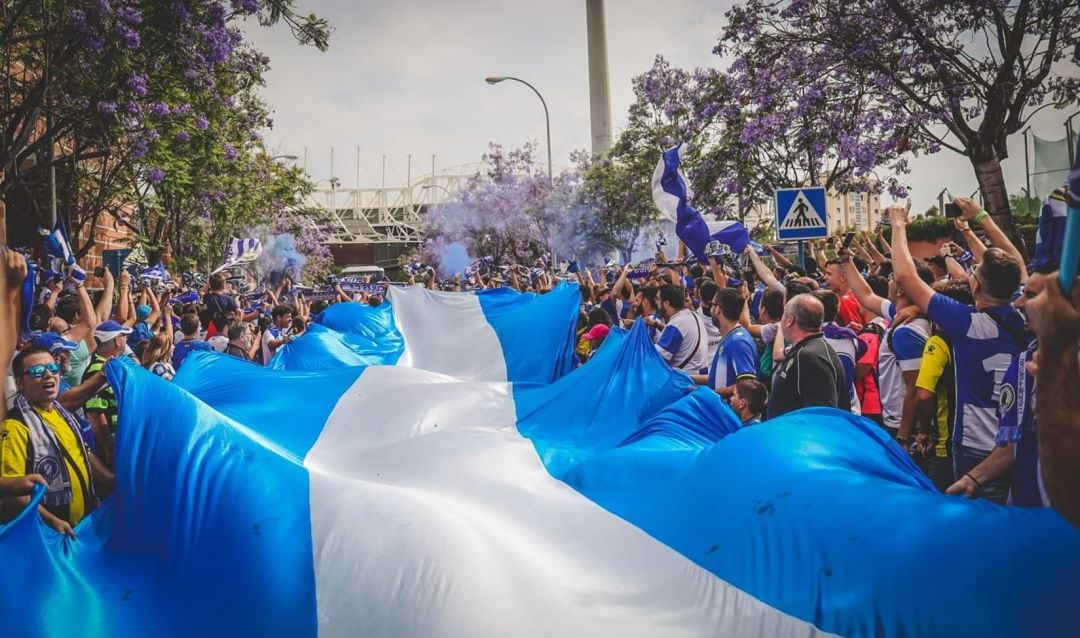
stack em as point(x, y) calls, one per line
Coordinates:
point(994, 192)
point(992, 185)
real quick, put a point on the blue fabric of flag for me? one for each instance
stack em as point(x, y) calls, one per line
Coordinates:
point(816, 513)
point(690, 226)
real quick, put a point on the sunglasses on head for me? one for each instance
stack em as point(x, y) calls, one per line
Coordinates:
point(38, 371)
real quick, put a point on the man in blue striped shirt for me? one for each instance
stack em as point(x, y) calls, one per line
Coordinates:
point(985, 338)
point(736, 355)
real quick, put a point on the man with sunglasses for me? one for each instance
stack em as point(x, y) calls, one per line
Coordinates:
point(41, 437)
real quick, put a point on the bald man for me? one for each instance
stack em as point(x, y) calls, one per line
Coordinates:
point(811, 373)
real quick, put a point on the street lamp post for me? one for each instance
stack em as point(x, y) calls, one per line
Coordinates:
point(547, 117)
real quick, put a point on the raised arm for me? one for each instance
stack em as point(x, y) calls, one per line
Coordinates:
point(870, 301)
point(8, 322)
point(761, 270)
point(916, 290)
point(857, 245)
point(819, 255)
point(620, 283)
point(974, 214)
point(105, 304)
point(974, 244)
point(155, 305)
point(123, 309)
point(885, 247)
point(875, 255)
point(84, 330)
point(780, 259)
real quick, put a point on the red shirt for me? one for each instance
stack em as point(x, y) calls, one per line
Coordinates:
point(867, 387)
point(850, 314)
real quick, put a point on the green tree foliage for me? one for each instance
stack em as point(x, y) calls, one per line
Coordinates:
point(149, 112)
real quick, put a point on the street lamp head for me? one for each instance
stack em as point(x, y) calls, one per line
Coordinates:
point(494, 79)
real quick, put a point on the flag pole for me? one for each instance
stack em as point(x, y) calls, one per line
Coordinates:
point(1070, 251)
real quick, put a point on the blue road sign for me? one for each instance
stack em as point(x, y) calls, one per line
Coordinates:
point(800, 213)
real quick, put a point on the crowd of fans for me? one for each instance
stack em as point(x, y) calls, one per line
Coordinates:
point(939, 353)
point(943, 354)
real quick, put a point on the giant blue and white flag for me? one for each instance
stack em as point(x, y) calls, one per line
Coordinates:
point(433, 468)
point(672, 194)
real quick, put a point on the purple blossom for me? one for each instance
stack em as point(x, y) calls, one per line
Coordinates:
point(159, 109)
point(132, 108)
point(245, 6)
point(153, 135)
point(139, 149)
point(154, 175)
point(231, 153)
point(201, 123)
point(183, 136)
point(137, 84)
point(254, 136)
point(129, 15)
point(128, 36)
point(109, 108)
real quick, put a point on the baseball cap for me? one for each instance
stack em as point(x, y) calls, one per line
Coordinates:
point(599, 331)
point(54, 342)
point(110, 330)
point(143, 311)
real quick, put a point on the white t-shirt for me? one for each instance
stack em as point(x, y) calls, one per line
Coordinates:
point(218, 342)
point(904, 355)
point(272, 333)
point(712, 331)
point(684, 344)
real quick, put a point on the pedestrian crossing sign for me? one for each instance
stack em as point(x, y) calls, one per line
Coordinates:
point(800, 213)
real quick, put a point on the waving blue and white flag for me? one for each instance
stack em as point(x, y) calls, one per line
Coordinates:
point(431, 468)
point(57, 245)
point(672, 193)
point(241, 251)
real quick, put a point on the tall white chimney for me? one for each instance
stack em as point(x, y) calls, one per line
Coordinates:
point(599, 91)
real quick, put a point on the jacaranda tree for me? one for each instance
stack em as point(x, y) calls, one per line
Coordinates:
point(963, 75)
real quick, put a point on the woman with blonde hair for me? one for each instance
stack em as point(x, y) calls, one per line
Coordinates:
point(157, 356)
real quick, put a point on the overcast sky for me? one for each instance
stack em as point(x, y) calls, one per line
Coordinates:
point(407, 77)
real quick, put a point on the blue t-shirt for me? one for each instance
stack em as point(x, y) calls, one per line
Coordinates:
point(984, 343)
point(755, 301)
point(616, 308)
point(736, 358)
point(185, 347)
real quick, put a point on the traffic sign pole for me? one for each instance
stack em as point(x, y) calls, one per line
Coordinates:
point(802, 255)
